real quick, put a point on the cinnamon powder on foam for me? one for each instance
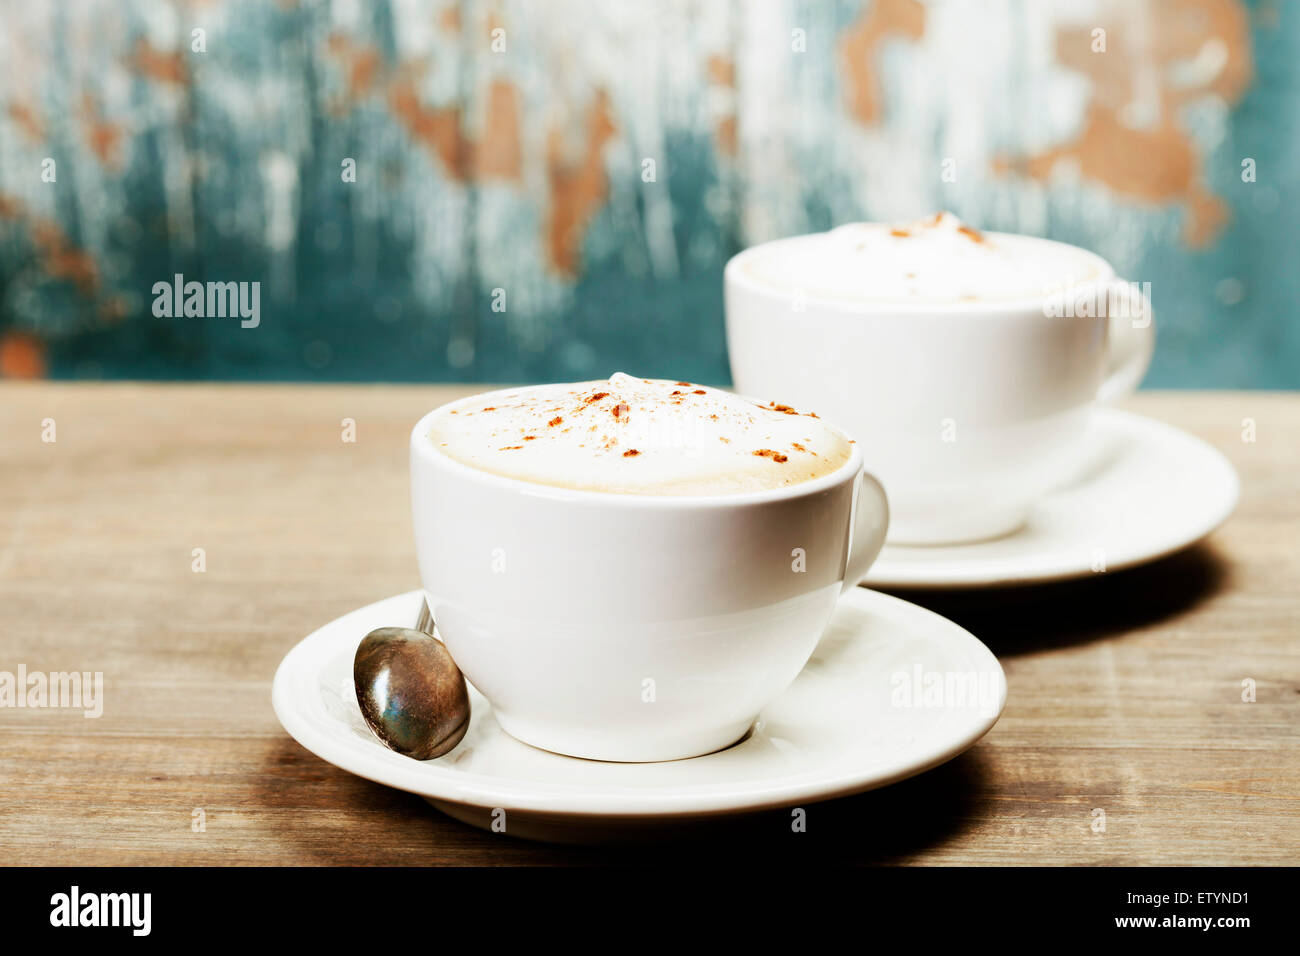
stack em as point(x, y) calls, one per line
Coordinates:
point(606, 419)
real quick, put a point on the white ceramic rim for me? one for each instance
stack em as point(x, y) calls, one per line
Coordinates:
point(734, 274)
point(424, 446)
point(303, 663)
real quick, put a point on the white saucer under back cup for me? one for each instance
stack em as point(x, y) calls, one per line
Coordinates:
point(1147, 490)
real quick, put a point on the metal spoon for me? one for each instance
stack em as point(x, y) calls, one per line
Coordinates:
point(411, 692)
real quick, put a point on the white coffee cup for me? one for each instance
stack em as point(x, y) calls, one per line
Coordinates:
point(968, 411)
point(634, 627)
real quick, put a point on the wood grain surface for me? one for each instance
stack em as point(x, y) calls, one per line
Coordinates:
point(1125, 690)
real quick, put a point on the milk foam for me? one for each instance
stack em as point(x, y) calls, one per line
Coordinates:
point(934, 260)
point(639, 436)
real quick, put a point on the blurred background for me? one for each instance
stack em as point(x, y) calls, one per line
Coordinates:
point(526, 191)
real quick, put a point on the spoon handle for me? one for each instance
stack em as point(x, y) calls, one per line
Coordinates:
point(425, 621)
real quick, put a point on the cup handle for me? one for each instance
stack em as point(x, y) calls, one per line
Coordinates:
point(868, 525)
point(1130, 343)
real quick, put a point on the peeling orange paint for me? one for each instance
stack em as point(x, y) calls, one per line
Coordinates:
point(363, 67)
point(861, 43)
point(11, 207)
point(721, 71)
point(21, 355)
point(1185, 29)
point(498, 155)
point(576, 189)
point(62, 260)
point(437, 127)
point(156, 64)
point(728, 136)
point(103, 137)
point(1156, 165)
point(27, 120)
point(1155, 161)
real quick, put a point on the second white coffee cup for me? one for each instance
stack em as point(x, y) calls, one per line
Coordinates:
point(968, 411)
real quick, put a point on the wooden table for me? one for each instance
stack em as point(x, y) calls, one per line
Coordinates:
point(1125, 690)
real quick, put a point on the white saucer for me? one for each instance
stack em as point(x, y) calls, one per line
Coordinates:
point(1151, 490)
point(840, 728)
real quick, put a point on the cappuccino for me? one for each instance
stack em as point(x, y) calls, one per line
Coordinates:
point(935, 260)
point(639, 436)
point(966, 364)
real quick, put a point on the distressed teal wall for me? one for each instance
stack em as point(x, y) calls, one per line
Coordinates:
point(522, 168)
